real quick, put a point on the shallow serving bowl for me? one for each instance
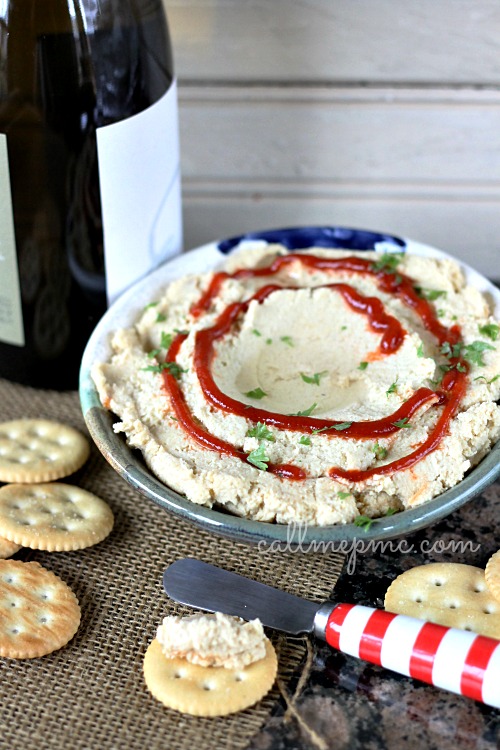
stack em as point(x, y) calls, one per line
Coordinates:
point(131, 467)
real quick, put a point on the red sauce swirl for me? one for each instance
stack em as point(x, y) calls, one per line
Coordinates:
point(449, 395)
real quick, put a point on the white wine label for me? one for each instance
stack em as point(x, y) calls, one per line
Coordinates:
point(139, 176)
point(11, 315)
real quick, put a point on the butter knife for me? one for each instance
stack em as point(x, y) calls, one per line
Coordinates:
point(456, 660)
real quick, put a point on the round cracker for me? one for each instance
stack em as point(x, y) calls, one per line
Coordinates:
point(55, 517)
point(207, 691)
point(449, 594)
point(39, 450)
point(39, 613)
point(8, 548)
point(492, 575)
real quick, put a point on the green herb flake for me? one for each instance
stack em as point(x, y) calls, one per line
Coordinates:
point(343, 495)
point(181, 331)
point(259, 458)
point(363, 522)
point(161, 318)
point(256, 332)
point(166, 340)
point(481, 377)
point(452, 352)
point(391, 512)
point(261, 432)
point(269, 341)
point(491, 330)
point(173, 368)
point(474, 352)
point(343, 328)
point(305, 440)
point(287, 340)
point(154, 353)
point(420, 350)
point(362, 365)
point(388, 262)
point(151, 304)
point(401, 423)
point(342, 426)
point(313, 379)
point(256, 393)
point(430, 294)
point(391, 389)
point(306, 412)
point(380, 451)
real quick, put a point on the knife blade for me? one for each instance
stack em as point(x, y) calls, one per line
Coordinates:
point(198, 584)
point(456, 660)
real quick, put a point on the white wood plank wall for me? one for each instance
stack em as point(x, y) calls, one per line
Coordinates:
point(382, 114)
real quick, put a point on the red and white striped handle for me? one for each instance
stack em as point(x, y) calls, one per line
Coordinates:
point(455, 660)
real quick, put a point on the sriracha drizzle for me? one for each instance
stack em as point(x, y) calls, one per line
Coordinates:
point(449, 395)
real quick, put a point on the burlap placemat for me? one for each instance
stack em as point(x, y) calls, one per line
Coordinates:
point(91, 694)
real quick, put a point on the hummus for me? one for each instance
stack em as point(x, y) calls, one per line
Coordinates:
point(212, 640)
point(311, 387)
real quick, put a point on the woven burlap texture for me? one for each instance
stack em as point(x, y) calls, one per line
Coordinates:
point(91, 694)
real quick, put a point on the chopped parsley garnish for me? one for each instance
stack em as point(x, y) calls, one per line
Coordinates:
point(151, 304)
point(488, 382)
point(161, 318)
point(259, 458)
point(460, 367)
point(261, 432)
point(363, 522)
point(388, 262)
point(269, 341)
point(392, 388)
point(430, 294)
point(287, 340)
point(313, 379)
point(379, 450)
point(420, 350)
point(343, 328)
point(362, 365)
point(342, 426)
point(256, 393)
point(181, 331)
point(306, 412)
point(305, 440)
point(256, 332)
point(474, 352)
point(451, 351)
point(405, 422)
point(153, 353)
point(173, 368)
point(166, 340)
point(343, 495)
point(491, 330)
point(391, 512)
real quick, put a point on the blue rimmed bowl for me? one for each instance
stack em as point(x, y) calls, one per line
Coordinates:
point(130, 466)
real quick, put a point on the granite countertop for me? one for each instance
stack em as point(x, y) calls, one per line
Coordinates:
point(341, 702)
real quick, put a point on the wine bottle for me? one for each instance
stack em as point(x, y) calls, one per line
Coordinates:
point(89, 172)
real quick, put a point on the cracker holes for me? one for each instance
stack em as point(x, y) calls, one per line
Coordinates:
point(239, 677)
point(207, 686)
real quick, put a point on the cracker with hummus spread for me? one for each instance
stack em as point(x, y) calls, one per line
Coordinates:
point(310, 387)
point(209, 665)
